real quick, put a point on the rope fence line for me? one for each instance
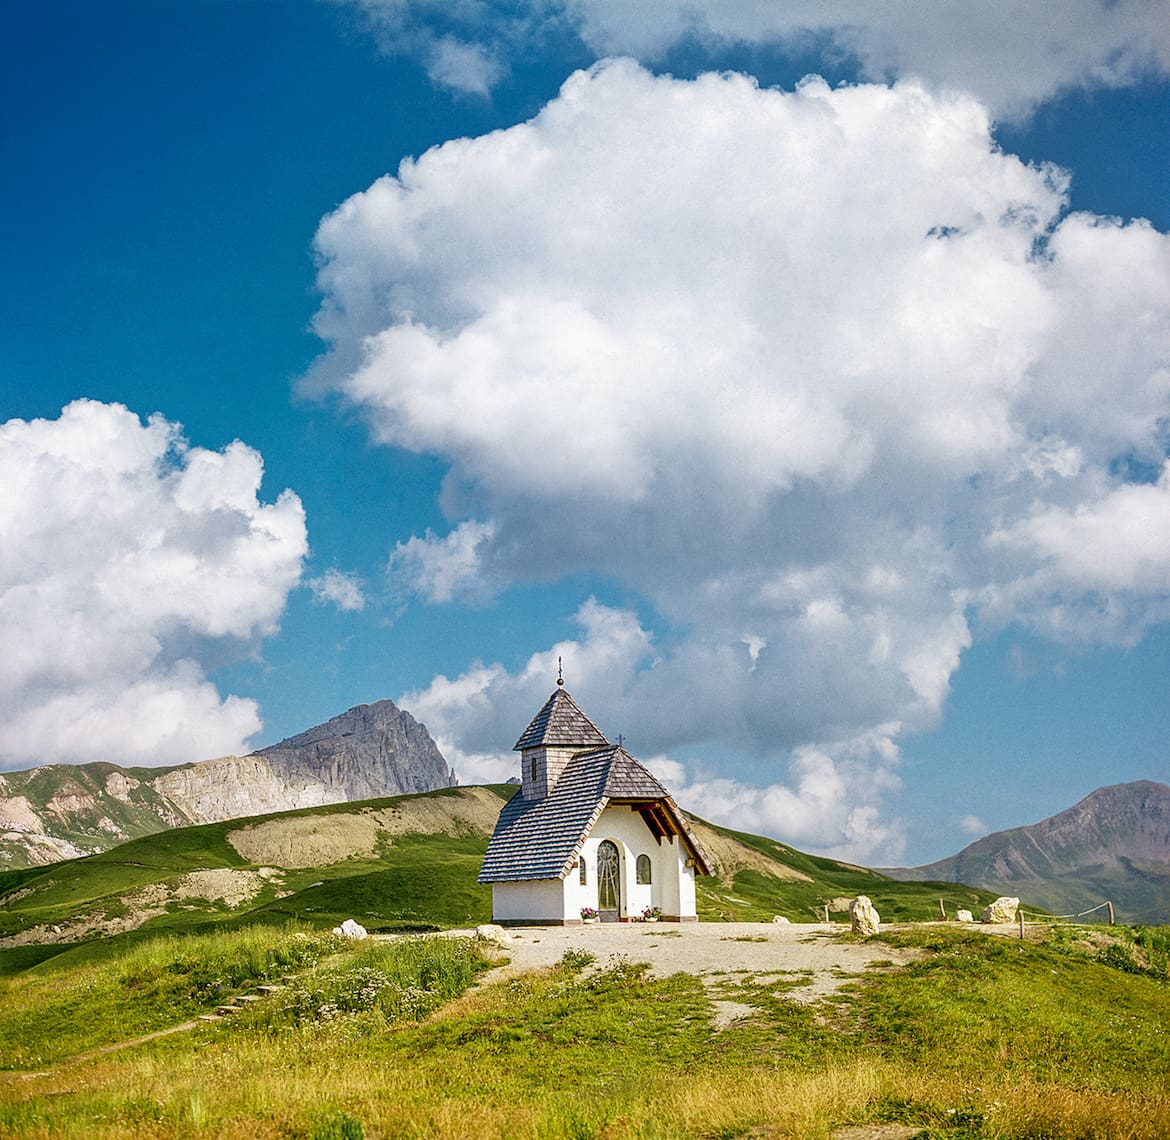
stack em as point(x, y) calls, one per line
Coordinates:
point(1021, 914)
point(1081, 914)
point(1043, 918)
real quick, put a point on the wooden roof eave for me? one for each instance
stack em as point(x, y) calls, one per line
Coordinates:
point(670, 812)
point(702, 863)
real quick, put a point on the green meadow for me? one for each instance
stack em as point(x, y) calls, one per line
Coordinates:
point(1061, 1035)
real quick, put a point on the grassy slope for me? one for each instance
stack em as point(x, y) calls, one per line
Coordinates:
point(755, 895)
point(417, 880)
point(980, 1037)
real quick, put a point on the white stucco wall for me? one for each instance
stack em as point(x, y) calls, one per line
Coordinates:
point(672, 888)
point(540, 900)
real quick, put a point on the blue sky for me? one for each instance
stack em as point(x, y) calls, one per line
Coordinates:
point(819, 425)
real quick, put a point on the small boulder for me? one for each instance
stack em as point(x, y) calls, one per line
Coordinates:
point(493, 932)
point(1002, 910)
point(351, 929)
point(863, 918)
point(965, 916)
point(780, 920)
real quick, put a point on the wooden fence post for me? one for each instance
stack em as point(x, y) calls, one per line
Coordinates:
point(1110, 906)
point(942, 909)
point(1021, 918)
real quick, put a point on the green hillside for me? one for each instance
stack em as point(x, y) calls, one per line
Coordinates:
point(398, 864)
point(762, 878)
point(401, 863)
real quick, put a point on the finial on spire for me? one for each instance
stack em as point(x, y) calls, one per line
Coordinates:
point(560, 673)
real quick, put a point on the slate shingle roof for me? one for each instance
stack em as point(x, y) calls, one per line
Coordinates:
point(560, 723)
point(540, 839)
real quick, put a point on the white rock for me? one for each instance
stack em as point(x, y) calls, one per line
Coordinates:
point(780, 920)
point(965, 916)
point(1002, 910)
point(493, 932)
point(351, 929)
point(863, 919)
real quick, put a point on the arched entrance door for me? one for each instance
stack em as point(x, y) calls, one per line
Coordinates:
point(609, 881)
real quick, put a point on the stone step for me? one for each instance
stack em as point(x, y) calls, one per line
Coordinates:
point(246, 999)
point(268, 990)
point(210, 1017)
point(226, 1010)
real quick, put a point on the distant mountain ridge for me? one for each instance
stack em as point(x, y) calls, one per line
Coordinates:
point(1114, 844)
point(61, 811)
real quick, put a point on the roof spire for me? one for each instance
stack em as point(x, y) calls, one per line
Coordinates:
point(560, 673)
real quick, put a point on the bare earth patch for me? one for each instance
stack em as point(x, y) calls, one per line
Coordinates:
point(307, 841)
point(471, 811)
point(322, 840)
point(225, 884)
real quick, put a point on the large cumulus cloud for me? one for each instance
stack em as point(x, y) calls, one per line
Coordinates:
point(1013, 55)
point(129, 561)
point(824, 375)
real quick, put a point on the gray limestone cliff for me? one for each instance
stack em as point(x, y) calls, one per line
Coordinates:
point(61, 811)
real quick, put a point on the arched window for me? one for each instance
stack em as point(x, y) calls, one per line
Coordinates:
point(581, 876)
point(643, 869)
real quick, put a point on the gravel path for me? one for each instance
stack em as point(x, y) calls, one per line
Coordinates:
point(716, 952)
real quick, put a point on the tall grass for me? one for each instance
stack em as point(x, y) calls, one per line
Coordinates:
point(403, 981)
point(49, 1013)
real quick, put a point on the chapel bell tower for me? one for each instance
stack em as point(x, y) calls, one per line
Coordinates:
point(557, 733)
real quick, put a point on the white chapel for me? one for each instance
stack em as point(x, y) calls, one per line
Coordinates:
point(589, 830)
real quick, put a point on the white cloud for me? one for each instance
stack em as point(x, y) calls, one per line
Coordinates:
point(824, 376)
point(1119, 542)
point(1013, 54)
point(463, 67)
point(832, 802)
point(126, 556)
point(973, 825)
point(476, 717)
point(339, 588)
point(463, 46)
point(444, 569)
point(1097, 570)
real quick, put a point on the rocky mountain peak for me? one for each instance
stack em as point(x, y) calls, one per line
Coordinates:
point(60, 811)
